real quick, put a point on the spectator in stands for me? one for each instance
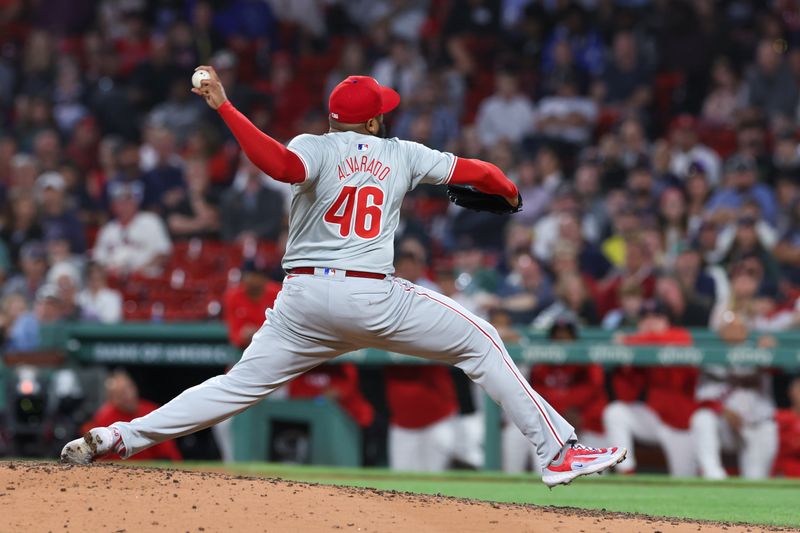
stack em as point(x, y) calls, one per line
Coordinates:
point(563, 67)
point(740, 186)
point(630, 308)
point(668, 392)
point(634, 145)
point(751, 141)
point(749, 242)
point(526, 290)
point(585, 42)
point(21, 224)
point(196, 214)
point(536, 196)
point(705, 285)
point(673, 220)
point(47, 149)
point(23, 173)
point(180, 113)
point(547, 230)
point(66, 279)
point(687, 149)
point(99, 303)
point(625, 82)
point(33, 268)
point(58, 251)
point(473, 276)
point(787, 250)
point(429, 104)
point(770, 83)
point(135, 240)
point(22, 326)
point(68, 109)
point(728, 94)
point(685, 309)
point(625, 223)
point(290, 97)
point(241, 95)
point(507, 114)
point(152, 78)
point(55, 212)
point(572, 299)
point(126, 167)
point(249, 209)
point(787, 463)
point(786, 160)
point(403, 68)
point(244, 305)
point(17, 326)
point(123, 404)
point(736, 413)
point(567, 116)
point(698, 191)
point(591, 261)
point(751, 299)
point(641, 187)
point(5, 262)
point(638, 268)
point(578, 391)
point(164, 186)
point(539, 183)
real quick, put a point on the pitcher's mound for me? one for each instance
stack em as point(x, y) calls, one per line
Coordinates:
point(51, 497)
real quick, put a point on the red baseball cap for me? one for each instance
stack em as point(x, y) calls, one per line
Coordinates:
point(360, 98)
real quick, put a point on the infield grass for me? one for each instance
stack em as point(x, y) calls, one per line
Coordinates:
point(772, 502)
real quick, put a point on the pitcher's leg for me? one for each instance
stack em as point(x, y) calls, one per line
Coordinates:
point(273, 358)
point(430, 325)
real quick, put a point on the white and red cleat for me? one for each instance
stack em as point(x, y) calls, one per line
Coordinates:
point(95, 443)
point(578, 460)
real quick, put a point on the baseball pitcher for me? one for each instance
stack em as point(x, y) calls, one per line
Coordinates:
point(339, 294)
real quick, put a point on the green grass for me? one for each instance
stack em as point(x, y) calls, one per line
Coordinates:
point(772, 502)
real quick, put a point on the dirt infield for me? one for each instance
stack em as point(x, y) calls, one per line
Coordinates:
point(111, 498)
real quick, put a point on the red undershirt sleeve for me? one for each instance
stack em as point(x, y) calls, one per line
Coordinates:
point(483, 176)
point(270, 156)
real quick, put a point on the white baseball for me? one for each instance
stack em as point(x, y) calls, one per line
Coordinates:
point(198, 77)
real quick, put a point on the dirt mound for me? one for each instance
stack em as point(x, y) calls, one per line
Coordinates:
point(51, 497)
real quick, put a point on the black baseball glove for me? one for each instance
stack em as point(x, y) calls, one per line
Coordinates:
point(471, 198)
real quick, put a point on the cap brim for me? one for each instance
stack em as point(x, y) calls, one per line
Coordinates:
point(390, 99)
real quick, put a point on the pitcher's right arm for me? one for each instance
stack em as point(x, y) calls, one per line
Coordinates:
point(270, 156)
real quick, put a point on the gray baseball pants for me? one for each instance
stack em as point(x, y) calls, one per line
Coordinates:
point(318, 317)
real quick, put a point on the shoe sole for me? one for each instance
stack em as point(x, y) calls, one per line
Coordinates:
point(565, 478)
point(80, 451)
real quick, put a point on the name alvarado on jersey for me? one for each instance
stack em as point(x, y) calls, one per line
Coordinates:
point(368, 165)
point(344, 215)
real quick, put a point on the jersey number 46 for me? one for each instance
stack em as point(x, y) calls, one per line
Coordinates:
point(357, 209)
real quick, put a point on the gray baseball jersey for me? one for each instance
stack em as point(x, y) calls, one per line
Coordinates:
point(345, 213)
point(343, 217)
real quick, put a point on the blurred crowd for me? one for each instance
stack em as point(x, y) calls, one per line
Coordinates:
point(655, 144)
